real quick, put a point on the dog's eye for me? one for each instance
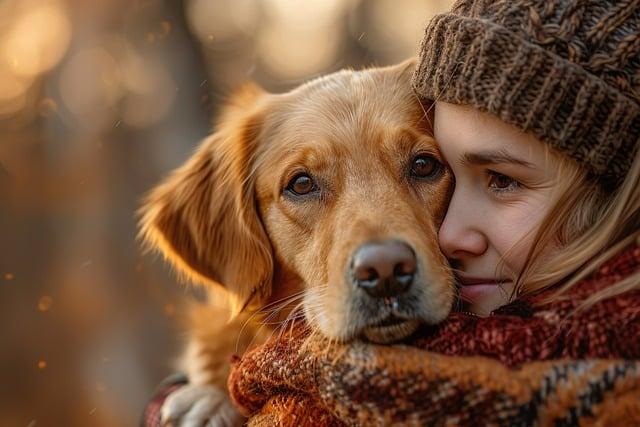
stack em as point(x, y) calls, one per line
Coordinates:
point(301, 184)
point(424, 166)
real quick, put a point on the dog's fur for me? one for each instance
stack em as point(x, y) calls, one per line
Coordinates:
point(226, 219)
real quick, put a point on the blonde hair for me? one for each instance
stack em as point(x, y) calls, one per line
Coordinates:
point(587, 225)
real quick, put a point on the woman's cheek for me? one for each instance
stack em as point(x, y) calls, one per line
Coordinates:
point(515, 233)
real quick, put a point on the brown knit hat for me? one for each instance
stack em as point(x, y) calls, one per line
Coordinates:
point(567, 71)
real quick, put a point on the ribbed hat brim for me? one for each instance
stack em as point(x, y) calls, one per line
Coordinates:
point(478, 63)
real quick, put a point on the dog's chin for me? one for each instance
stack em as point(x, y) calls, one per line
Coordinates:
point(390, 330)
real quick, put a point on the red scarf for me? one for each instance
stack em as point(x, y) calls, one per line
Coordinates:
point(525, 364)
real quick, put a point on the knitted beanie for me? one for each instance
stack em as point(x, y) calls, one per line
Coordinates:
point(566, 71)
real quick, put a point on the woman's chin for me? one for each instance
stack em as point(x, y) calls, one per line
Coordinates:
point(483, 299)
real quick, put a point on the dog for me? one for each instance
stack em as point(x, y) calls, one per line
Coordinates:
point(323, 201)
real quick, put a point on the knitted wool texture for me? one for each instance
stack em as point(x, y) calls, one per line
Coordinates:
point(566, 71)
point(526, 365)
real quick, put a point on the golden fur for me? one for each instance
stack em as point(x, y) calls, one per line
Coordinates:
point(223, 218)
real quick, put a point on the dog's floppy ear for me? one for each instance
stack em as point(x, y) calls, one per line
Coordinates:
point(203, 218)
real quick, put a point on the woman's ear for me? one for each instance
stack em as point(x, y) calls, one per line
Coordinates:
point(203, 217)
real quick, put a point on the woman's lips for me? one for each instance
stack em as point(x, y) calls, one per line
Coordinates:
point(473, 289)
point(478, 292)
point(472, 281)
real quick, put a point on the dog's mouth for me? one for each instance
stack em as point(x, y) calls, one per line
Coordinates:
point(390, 329)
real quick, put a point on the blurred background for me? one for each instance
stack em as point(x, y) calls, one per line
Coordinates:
point(99, 99)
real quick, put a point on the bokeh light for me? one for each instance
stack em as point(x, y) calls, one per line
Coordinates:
point(99, 100)
point(12, 86)
point(395, 42)
point(34, 37)
point(38, 38)
point(89, 86)
point(309, 14)
point(149, 91)
point(302, 38)
point(222, 20)
point(45, 303)
point(291, 56)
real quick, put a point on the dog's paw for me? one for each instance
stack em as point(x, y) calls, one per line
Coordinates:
point(199, 406)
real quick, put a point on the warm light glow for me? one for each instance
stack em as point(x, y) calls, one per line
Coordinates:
point(45, 303)
point(399, 29)
point(14, 105)
point(306, 14)
point(11, 85)
point(38, 39)
point(220, 20)
point(13, 90)
point(304, 54)
point(97, 85)
point(302, 38)
point(165, 26)
point(89, 84)
point(169, 309)
point(149, 91)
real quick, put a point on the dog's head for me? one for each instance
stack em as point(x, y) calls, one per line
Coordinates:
point(334, 190)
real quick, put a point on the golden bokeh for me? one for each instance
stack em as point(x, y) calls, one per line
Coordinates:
point(38, 38)
point(34, 38)
point(45, 303)
point(99, 100)
point(89, 85)
point(222, 20)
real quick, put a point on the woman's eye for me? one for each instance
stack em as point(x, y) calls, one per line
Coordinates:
point(424, 166)
point(301, 184)
point(499, 182)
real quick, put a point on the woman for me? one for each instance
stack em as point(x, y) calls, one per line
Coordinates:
point(537, 113)
point(546, 185)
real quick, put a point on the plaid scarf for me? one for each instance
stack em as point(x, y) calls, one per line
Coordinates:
point(526, 364)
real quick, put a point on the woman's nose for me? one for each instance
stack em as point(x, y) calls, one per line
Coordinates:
point(461, 234)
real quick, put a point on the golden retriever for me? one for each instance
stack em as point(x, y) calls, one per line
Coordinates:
point(326, 198)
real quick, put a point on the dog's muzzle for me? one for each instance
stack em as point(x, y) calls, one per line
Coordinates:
point(385, 270)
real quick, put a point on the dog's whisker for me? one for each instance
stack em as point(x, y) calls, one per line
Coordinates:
point(294, 315)
point(242, 328)
point(278, 324)
point(283, 301)
point(277, 310)
point(285, 321)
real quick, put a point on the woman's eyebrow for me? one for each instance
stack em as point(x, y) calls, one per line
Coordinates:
point(492, 157)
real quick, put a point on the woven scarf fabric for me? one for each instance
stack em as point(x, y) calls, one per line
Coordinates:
point(524, 365)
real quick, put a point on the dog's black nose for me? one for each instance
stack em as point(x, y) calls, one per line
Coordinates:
point(384, 269)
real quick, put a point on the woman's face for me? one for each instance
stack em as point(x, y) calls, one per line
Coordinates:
point(504, 183)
